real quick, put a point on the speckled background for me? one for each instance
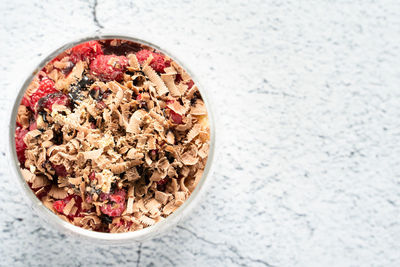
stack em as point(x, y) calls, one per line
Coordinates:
point(307, 97)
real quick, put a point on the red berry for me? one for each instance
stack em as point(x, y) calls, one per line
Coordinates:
point(88, 50)
point(178, 78)
point(33, 126)
point(92, 176)
point(51, 99)
point(20, 145)
point(139, 97)
point(103, 196)
point(154, 152)
point(142, 55)
point(117, 205)
point(161, 184)
point(117, 198)
point(158, 63)
point(89, 199)
point(109, 67)
point(162, 181)
point(190, 84)
point(60, 170)
point(25, 101)
point(175, 117)
point(59, 205)
point(46, 87)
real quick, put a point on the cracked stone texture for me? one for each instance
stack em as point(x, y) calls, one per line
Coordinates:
point(307, 98)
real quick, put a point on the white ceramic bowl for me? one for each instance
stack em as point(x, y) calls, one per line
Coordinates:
point(51, 218)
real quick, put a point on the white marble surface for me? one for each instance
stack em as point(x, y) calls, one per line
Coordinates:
point(307, 94)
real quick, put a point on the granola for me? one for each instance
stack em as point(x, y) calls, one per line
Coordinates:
point(112, 136)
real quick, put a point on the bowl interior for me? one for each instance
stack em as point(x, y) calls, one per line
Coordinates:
point(56, 221)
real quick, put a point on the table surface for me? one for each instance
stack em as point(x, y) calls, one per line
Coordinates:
point(307, 99)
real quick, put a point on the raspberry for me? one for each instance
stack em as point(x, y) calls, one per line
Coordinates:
point(92, 176)
point(59, 205)
point(54, 98)
point(175, 117)
point(117, 205)
point(33, 126)
point(46, 87)
point(88, 50)
point(20, 145)
point(25, 101)
point(103, 196)
point(161, 184)
point(109, 67)
point(143, 54)
point(158, 63)
point(60, 170)
point(190, 84)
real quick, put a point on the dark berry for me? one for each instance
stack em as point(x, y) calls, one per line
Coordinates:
point(105, 219)
point(162, 181)
point(85, 82)
point(178, 78)
point(161, 184)
point(60, 170)
point(75, 95)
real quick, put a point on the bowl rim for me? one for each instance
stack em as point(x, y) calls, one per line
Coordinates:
point(50, 216)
